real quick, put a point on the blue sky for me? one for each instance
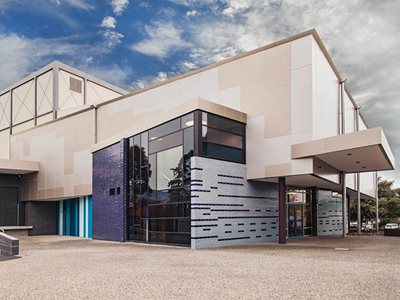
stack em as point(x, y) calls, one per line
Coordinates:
point(133, 43)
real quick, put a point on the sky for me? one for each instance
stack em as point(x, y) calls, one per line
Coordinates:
point(134, 43)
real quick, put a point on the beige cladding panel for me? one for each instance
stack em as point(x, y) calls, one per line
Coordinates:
point(44, 87)
point(5, 144)
point(44, 119)
point(151, 105)
point(23, 126)
point(326, 96)
point(269, 96)
point(5, 110)
point(63, 149)
point(68, 98)
point(23, 102)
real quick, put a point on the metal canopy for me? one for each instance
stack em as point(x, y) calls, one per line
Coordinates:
point(361, 151)
point(18, 167)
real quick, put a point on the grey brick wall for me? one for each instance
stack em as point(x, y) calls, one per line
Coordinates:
point(330, 221)
point(226, 209)
point(42, 216)
point(110, 211)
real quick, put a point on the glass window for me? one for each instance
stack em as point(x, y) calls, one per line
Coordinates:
point(223, 152)
point(152, 172)
point(215, 136)
point(214, 121)
point(169, 168)
point(166, 142)
point(187, 120)
point(164, 129)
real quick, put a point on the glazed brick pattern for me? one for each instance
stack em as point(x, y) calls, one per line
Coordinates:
point(9, 245)
point(109, 211)
point(330, 220)
point(226, 209)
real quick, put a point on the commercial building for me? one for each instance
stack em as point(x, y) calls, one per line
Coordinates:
point(259, 147)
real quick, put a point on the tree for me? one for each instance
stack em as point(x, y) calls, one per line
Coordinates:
point(389, 204)
point(385, 189)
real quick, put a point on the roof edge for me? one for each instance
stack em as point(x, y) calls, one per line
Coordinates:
point(312, 32)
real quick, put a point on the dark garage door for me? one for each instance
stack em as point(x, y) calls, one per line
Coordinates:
point(8, 206)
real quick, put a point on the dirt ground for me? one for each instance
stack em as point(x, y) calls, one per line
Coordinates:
point(55, 267)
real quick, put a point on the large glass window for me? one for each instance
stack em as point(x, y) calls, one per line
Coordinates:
point(222, 138)
point(169, 168)
point(159, 179)
point(159, 172)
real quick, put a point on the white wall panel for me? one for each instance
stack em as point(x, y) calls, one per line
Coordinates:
point(44, 87)
point(5, 110)
point(325, 96)
point(23, 102)
point(97, 93)
point(67, 98)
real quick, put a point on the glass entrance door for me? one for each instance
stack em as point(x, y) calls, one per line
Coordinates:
point(295, 220)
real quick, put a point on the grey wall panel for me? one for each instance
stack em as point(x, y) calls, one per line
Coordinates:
point(330, 221)
point(42, 216)
point(226, 209)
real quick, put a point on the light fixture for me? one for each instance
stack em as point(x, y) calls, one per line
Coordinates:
point(364, 167)
point(349, 154)
point(189, 123)
point(357, 162)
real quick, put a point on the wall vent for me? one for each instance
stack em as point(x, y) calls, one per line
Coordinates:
point(75, 85)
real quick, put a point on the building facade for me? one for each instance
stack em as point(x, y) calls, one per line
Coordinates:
point(259, 147)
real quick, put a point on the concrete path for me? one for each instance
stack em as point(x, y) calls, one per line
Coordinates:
point(52, 267)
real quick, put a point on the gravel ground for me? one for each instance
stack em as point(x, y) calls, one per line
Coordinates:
point(53, 267)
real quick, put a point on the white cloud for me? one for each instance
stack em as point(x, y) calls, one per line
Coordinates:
point(81, 4)
point(111, 73)
point(109, 22)
point(118, 6)
point(191, 13)
point(20, 56)
point(161, 76)
point(161, 40)
point(112, 38)
point(236, 6)
point(189, 65)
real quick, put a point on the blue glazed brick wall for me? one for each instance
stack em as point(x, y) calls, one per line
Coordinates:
point(109, 211)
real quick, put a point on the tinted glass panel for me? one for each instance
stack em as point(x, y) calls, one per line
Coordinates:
point(165, 129)
point(215, 136)
point(187, 120)
point(144, 137)
point(222, 152)
point(169, 168)
point(152, 172)
point(218, 122)
point(170, 225)
point(171, 196)
point(169, 238)
point(166, 142)
point(169, 210)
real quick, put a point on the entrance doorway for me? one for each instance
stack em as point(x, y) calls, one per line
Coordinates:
point(295, 220)
point(299, 212)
